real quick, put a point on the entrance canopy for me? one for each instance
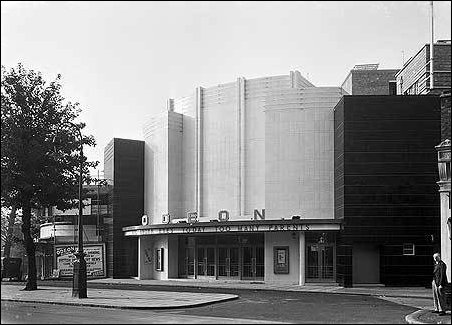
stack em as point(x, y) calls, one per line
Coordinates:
point(238, 226)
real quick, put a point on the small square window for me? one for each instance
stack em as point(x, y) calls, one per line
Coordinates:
point(408, 249)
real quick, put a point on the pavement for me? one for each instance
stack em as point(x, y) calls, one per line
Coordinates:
point(401, 292)
point(418, 297)
point(425, 316)
point(114, 298)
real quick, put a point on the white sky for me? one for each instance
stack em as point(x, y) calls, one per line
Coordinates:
point(122, 60)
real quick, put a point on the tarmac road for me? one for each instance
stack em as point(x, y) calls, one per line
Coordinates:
point(29, 313)
point(263, 306)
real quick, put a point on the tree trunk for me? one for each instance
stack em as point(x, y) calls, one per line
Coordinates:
point(30, 247)
point(9, 234)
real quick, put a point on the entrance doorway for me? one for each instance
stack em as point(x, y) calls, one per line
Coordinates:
point(320, 262)
point(206, 261)
point(189, 262)
point(253, 263)
point(228, 262)
point(239, 257)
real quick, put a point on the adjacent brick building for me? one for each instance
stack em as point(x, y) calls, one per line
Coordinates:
point(445, 116)
point(362, 81)
point(414, 77)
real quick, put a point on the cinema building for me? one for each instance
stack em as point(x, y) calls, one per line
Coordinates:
point(276, 180)
point(239, 184)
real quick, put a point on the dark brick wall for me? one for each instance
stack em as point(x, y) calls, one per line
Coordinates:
point(414, 77)
point(386, 173)
point(442, 62)
point(108, 220)
point(445, 116)
point(370, 82)
point(344, 266)
point(126, 168)
point(339, 160)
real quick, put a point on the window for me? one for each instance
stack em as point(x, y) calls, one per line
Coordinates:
point(392, 87)
point(408, 249)
point(159, 259)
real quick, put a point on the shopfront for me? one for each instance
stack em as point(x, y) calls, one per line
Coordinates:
point(292, 252)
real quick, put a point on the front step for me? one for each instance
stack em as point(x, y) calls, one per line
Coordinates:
point(322, 284)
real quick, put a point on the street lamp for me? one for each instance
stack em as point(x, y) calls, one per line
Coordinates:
point(448, 223)
point(79, 286)
point(444, 170)
point(444, 188)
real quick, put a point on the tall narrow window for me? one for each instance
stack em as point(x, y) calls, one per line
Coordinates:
point(159, 259)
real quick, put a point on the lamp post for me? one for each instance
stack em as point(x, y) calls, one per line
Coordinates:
point(444, 188)
point(79, 286)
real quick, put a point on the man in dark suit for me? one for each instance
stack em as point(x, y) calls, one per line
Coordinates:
point(439, 284)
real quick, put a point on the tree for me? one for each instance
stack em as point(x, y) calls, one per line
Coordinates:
point(39, 149)
point(8, 223)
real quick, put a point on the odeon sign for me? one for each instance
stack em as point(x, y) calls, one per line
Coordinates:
point(217, 226)
point(192, 217)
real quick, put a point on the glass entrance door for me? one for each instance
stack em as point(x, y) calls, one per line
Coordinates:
point(228, 262)
point(253, 263)
point(189, 262)
point(320, 262)
point(205, 261)
point(228, 257)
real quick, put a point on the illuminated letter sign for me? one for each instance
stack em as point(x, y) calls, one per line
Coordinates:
point(145, 220)
point(192, 217)
point(260, 215)
point(223, 215)
point(166, 218)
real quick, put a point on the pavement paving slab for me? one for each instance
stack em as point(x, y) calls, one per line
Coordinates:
point(114, 298)
point(402, 292)
point(425, 316)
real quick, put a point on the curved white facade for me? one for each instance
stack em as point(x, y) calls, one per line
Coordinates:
point(256, 144)
point(64, 232)
point(299, 149)
point(240, 157)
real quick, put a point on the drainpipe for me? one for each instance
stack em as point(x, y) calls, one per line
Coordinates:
point(431, 48)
